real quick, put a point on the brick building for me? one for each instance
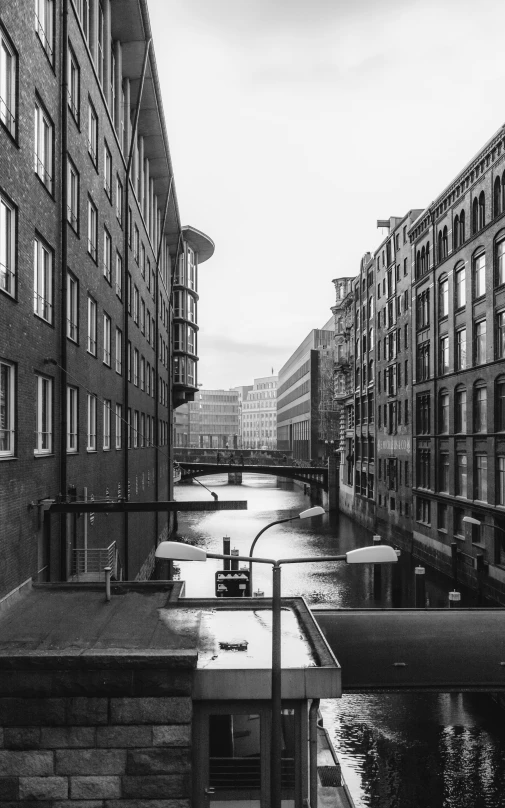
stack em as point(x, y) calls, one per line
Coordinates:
point(90, 235)
point(343, 386)
point(458, 324)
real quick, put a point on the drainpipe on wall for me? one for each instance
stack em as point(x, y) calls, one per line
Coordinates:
point(313, 712)
point(63, 298)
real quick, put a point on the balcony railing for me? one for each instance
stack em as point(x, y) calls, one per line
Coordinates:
point(88, 563)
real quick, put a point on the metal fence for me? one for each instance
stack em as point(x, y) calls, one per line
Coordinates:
point(88, 563)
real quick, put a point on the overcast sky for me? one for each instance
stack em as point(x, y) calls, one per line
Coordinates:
point(293, 126)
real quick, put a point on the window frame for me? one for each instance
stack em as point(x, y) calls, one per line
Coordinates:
point(43, 279)
point(92, 342)
point(107, 325)
point(9, 105)
point(44, 26)
point(118, 426)
point(44, 148)
point(72, 419)
point(74, 85)
point(107, 171)
point(119, 351)
point(44, 414)
point(479, 276)
point(92, 240)
point(73, 195)
point(92, 133)
point(91, 441)
point(8, 409)
point(106, 425)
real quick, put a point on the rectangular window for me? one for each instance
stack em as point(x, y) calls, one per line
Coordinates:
point(443, 413)
point(500, 262)
point(442, 517)
point(135, 429)
point(423, 413)
point(444, 354)
point(136, 244)
point(423, 510)
point(119, 350)
point(460, 410)
point(501, 481)
point(480, 409)
point(107, 171)
point(135, 305)
point(44, 423)
point(73, 196)
point(142, 316)
point(106, 339)
point(461, 349)
point(107, 255)
point(480, 342)
point(92, 229)
point(119, 200)
point(91, 326)
point(460, 284)
point(500, 335)
point(142, 430)
point(42, 280)
point(106, 425)
point(135, 367)
point(72, 307)
point(423, 361)
point(7, 422)
point(481, 478)
point(443, 473)
point(500, 405)
point(91, 423)
point(44, 138)
point(129, 360)
point(8, 79)
point(142, 373)
point(92, 133)
point(44, 25)
point(73, 85)
point(72, 418)
point(423, 468)
point(119, 275)
point(100, 42)
point(461, 475)
point(129, 428)
point(119, 420)
point(479, 276)
point(143, 260)
point(443, 298)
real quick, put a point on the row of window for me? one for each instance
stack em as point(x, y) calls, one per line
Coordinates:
point(460, 486)
point(140, 427)
point(461, 416)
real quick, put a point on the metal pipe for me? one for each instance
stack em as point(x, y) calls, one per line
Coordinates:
point(276, 738)
point(107, 571)
point(277, 522)
point(314, 709)
point(63, 299)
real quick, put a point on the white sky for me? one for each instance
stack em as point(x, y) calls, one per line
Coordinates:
point(293, 126)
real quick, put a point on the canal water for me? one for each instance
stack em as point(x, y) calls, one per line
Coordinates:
point(397, 751)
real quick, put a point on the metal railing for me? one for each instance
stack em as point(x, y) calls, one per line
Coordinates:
point(244, 773)
point(90, 562)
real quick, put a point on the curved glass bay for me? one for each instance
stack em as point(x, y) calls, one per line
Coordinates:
point(405, 751)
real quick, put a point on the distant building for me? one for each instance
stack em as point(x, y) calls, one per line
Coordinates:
point(343, 386)
point(211, 421)
point(306, 416)
point(242, 391)
point(259, 417)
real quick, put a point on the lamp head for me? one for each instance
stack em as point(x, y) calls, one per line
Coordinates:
point(471, 520)
point(177, 551)
point(316, 511)
point(378, 554)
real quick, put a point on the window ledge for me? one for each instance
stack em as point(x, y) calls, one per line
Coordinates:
point(8, 457)
point(38, 455)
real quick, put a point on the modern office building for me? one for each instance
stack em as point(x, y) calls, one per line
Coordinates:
point(306, 412)
point(259, 415)
point(90, 236)
point(211, 421)
point(242, 391)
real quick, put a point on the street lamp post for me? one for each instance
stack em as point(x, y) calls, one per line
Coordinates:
point(316, 511)
point(378, 554)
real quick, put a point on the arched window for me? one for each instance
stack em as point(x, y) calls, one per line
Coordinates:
point(475, 215)
point(427, 257)
point(500, 261)
point(443, 296)
point(418, 263)
point(482, 210)
point(460, 409)
point(455, 233)
point(445, 243)
point(423, 261)
point(500, 404)
point(480, 406)
point(497, 200)
point(440, 246)
point(462, 227)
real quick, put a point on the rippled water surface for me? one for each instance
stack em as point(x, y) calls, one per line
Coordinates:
point(406, 751)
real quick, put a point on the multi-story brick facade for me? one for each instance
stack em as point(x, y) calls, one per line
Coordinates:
point(89, 235)
point(458, 256)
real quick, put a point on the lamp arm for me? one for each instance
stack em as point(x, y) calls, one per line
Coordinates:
point(277, 522)
point(242, 558)
point(311, 559)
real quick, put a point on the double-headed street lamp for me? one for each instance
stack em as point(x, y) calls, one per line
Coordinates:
point(380, 554)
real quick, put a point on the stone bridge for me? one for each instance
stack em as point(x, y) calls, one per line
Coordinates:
point(316, 476)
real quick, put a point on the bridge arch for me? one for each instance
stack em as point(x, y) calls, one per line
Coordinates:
point(317, 476)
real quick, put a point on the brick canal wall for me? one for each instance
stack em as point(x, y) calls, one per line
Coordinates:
point(98, 751)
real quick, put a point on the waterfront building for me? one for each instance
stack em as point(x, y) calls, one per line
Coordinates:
point(211, 421)
point(242, 391)
point(306, 412)
point(343, 387)
point(393, 375)
point(90, 236)
point(260, 415)
point(458, 328)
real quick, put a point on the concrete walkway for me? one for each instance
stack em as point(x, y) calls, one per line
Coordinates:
point(330, 796)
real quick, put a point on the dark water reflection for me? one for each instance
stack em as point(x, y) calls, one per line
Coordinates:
point(405, 751)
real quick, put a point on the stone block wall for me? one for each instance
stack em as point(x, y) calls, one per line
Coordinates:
point(95, 751)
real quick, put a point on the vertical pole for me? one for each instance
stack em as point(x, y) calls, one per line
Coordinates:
point(86, 517)
point(276, 752)
point(420, 587)
point(226, 551)
point(234, 562)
